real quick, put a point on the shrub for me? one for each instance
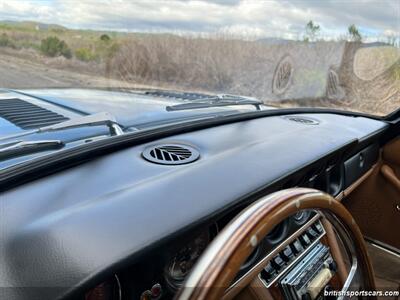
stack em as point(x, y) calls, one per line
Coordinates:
point(5, 41)
point(105, 37)
point(52, 46)
point(85, 54)
point(65, 50)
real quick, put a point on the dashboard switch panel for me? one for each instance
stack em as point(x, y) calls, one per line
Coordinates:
point(290, 255)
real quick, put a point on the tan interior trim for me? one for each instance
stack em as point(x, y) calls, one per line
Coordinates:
point(339, 196)
point(255, 291)
point(391, 176)
point(258, 290)
point(360, 180)
point(354, 185)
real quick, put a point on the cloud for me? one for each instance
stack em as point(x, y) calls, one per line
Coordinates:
point(263, 18)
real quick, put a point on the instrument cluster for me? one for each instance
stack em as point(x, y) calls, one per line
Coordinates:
point(178, 267)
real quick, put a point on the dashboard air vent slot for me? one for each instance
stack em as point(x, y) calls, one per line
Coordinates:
point(178, 95)
point(171, 154)
point(302, 120)
point(27, 115)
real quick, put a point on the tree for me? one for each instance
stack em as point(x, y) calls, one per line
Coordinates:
point(312, 30)
point(354, 33)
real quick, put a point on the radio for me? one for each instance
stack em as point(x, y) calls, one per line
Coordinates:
point(310, 275)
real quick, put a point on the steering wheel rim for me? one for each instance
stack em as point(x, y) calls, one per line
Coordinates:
point(221, 261)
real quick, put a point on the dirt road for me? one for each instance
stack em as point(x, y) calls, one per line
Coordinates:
point(21, 73)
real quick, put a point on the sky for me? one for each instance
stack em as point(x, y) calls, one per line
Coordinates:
point(258, 18)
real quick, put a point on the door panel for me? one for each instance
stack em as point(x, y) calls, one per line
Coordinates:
point(375, 203)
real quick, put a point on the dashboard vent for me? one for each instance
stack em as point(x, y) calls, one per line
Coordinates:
point(27, 115)
point(302, 120)
point(171, 154)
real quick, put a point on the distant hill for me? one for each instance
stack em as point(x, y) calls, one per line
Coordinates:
point(275, 41)
point(32, 25)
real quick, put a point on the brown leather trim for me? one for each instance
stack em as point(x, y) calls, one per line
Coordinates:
point(391, 152)
point(390, 175)
point(258, 290)
point(359, 181)
point(339, 196)
point(221, 261)
point(254, 291)
point(354, 185)
point(375, 203)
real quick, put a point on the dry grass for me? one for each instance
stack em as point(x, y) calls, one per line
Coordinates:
point(244, 67)
point(219, 64)
point(210, 64)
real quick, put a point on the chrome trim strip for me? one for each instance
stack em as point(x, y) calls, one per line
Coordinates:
point(349, 278)
point(383, 249)
point(119, 287)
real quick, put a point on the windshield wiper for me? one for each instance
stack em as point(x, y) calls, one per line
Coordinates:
point(28, 147)
point(102, 118)
point(215, 102)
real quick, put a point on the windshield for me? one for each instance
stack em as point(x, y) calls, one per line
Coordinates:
point(335, 54)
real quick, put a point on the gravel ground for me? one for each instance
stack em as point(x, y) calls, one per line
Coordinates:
point(17, 72)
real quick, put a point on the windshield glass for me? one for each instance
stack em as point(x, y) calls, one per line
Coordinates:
point(335, 54)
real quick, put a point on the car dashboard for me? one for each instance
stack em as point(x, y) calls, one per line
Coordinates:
point(131, 225)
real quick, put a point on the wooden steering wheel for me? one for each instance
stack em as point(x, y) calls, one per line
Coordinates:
point(220, 263)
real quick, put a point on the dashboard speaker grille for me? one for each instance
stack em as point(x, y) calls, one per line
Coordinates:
point(171, 154)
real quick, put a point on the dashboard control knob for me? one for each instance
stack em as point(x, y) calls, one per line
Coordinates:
point(153, 294)
point(269, 269)
point(269, 272)
point(277, 263)
point(286, 254)
point(312, 233)
point(305, 240)
point(318, 227)
point(296, 247)
point(156, 290)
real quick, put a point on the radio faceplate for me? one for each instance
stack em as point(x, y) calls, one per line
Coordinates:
point(310, 275)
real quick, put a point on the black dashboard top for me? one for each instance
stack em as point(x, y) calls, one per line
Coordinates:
point(64, 230)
